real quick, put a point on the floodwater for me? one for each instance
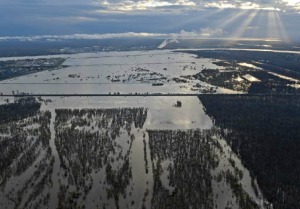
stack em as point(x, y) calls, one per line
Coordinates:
point(162, 114)
point(126, 172)
point(112, 72)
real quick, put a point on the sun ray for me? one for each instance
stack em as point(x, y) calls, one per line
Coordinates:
point(261, 23)
point(282, 29)
point(223, 24)
point(241, 29)
point(194, 19)
point(272, 26)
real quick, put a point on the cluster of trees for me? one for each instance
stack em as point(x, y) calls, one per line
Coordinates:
point(104, 118)
point(21, 140)
point(22, 108)
point(270, 84)
point(24, 148)
point(224, 79)
point(87, 141)
point(191, 157)
point(244, 201)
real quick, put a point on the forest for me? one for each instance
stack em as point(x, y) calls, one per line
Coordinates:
point(265, 131)
point(188, 157)
point(21, 108)
point(93, 141)
point(26, 162)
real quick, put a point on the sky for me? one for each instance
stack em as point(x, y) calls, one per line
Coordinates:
point(87, 19)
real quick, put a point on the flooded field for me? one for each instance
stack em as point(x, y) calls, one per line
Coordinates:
point(118, 152)
point(117, 72)
point(121, 153)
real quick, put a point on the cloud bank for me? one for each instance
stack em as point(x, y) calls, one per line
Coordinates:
point(202, 33)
